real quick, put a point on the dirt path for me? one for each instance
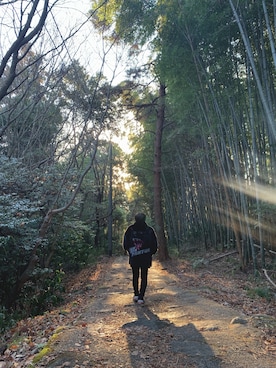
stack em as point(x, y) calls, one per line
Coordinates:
point(175, 328)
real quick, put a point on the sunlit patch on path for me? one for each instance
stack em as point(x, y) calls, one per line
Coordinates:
point(175, 328)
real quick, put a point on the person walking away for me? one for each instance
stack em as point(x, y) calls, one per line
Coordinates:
point(140, 242)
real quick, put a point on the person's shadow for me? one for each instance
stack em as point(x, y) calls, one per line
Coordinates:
point(153, 342)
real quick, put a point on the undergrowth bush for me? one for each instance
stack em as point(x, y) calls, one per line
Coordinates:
point(69, 248)
point(262, 292)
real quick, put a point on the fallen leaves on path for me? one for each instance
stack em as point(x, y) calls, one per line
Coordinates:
point(31, 335)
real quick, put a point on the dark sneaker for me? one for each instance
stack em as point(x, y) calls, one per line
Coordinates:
point(141, 301)
point(135, 298)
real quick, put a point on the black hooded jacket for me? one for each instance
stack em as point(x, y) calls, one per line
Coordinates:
point(141, 243)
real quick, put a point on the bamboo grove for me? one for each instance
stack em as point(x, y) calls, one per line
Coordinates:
point(216, 61)
point(219, 175)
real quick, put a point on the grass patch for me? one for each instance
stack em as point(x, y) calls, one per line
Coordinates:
point(261, 292)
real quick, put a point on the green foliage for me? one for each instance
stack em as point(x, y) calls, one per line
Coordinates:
point(71, 250)
point(68, 246)
point(131, 20)
point(7, 319)
point(42, 292)
point(261, 292)
point(53, 180)
point(140, 162)
point(20, 211)
point(68, 250)
point(30, 119)
point(70, 243)
point(73, 243)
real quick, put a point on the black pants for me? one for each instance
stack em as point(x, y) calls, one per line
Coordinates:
point(144, 280)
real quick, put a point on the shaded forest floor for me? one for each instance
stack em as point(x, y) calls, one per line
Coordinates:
point(218, 277)
point(196, 315)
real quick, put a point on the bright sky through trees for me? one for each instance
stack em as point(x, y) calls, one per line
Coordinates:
point(87, 45)
point(93, 52)
point(68, 20)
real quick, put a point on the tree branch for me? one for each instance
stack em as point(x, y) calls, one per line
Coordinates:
point(22, 39)
point(269, 279)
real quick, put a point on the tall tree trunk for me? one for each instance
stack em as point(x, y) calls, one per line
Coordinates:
point(158, 213)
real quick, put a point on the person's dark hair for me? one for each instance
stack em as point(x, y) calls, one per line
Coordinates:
point(140, 217)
